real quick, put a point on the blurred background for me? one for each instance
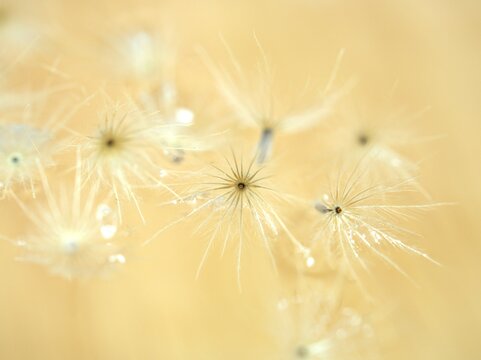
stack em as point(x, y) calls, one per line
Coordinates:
point(153, 308)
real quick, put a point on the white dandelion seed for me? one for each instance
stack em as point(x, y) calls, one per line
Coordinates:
point(28, 138)
point(122, 154)
point(383, 139)
point(351, 336)
point(180, 133)
point(144, 58)
point(73, 235)
point(357, 221)
point(255, 103)
point(242, 205)
point(315, 323)
point(21, 147)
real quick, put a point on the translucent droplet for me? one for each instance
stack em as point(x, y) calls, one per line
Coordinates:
point(175, 155)
point(108, 231)
point(310, 262)
point(117, 258)
point(191, 200)
point(106, 217)
point(163, 173)
point(103, 211)
point(184, 116)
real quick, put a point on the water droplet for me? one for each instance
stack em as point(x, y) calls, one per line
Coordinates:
point(192, 200)
point(184, 116)
point(106, 217)
point(117, 258)
point(163, 173)
point(108, 231)
point(310, 262)
point(175, 155)
point(103, 211)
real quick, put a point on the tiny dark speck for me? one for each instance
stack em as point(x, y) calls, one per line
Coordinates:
point(110, 142)
point(302, 352)
point(363, 139)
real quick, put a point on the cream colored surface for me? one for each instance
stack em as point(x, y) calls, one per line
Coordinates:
point(153, 308)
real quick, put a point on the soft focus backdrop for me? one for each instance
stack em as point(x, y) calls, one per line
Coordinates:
point(153, 308)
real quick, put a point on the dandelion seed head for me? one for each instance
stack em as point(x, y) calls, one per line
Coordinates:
point(123, 154)
point(21, 147)
point(363, 139)
point(143, 57)
point(318, 325)
point(242, 205)
point(121, 145)
point(382, 139)
point(72, 236)
point(357, 222)
point(256, 101)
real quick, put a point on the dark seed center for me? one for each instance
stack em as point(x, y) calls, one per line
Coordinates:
point(363, 139)
point(110, 142)
point(338, 209)
point(241, 186)
point(302, 352)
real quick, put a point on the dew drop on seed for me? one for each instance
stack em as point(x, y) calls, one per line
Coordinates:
point(175, 156)
point(103, 211)
point(108, 231)
point(163, 173)
point(184, 116)
point(117, 258)
point(106, 217)
point(310, 262)
point(321, 207)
